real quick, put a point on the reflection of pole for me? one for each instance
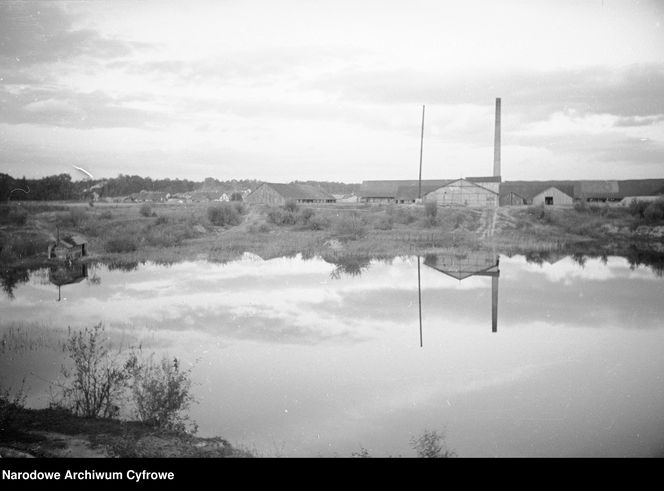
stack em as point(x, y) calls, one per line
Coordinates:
point(494, 303)
point(419, 297)
point(58, 293)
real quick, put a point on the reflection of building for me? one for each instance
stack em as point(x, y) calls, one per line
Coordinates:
point(462, 265)
point(67, 275)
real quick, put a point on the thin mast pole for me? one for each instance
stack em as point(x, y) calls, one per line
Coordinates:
point(419, 297)
point(421, 147)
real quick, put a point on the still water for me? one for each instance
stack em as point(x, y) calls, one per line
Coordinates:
point(294, 357)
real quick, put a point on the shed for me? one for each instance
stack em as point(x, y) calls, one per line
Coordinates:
point(68, 247)
point(553, 196)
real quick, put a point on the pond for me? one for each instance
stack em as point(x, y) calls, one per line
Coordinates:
point(294, 357)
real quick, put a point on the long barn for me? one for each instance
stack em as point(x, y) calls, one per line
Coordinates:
point(276, 194)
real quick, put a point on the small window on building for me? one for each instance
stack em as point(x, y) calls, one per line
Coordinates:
point(548, 200)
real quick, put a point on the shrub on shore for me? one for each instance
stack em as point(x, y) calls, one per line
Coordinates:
point(654, 211)
point(101, 381)
point(225, 214)
point(145, 210)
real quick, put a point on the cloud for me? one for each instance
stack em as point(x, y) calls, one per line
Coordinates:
point(636, 90)
point(39, 32)
point(57, 106)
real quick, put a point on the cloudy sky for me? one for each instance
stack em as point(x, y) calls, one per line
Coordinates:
point(332, 90)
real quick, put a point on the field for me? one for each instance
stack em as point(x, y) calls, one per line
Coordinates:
point(131, 233)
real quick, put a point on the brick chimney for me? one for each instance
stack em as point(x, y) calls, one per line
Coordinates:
point(496, 142)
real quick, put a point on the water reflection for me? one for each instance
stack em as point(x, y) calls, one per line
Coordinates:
point(575, 371)
point(67, 274)
point(461, 265)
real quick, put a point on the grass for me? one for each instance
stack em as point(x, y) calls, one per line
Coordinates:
point(172, 232)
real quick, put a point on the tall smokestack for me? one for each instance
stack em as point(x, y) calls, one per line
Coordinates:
point(496, 141)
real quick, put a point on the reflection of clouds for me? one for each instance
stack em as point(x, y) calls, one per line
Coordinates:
point(294, 301)
point(566, 270)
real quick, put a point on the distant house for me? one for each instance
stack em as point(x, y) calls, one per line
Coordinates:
point(276, 194)
point(70, 247)
point(553, 196)
point(464, 192)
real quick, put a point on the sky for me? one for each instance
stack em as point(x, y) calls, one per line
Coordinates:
point(332, 90)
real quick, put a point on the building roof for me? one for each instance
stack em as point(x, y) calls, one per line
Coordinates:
point(587, 188)
point(299, 191)
point(474, 182)
point(411, 192)
point(553, 187)
point(596, 189)
point(641, 187)
point(409, 188)
point(530, 189)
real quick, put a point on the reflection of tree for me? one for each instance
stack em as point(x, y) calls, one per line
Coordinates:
point(10, 278)
point(655, 260)
point(349, 265)
point(537, 257)
point(123, 266)
point(579, 259)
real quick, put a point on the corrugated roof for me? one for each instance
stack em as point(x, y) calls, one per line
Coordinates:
point(641, 187)
point(529, 189)
point(413, 192)
point(392, 188)
point(566, 190)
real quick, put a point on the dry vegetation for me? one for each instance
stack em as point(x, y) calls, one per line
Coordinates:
point(223, 231)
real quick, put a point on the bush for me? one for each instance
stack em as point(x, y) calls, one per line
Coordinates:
point(106, 215)
point(98, 380)
point(256, 227)
point(161, 220)
point(224, 214)
point(239, 207)
point(403, 215)
point(384, 223)
point(145, 210)
point(291, 205)
point(654, 211)
point(431, 445)
point(349, 226)
point(10, 404)
point(638, 208)
point(281, 216)
point(318, 222)
point(120, 244)
point(161, 393)
point(430, 213)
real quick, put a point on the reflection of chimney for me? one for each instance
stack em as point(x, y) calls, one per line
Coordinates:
point(496, 141)
point(494, 304)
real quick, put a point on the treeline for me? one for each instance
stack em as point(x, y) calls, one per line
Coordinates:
point(61, 186)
